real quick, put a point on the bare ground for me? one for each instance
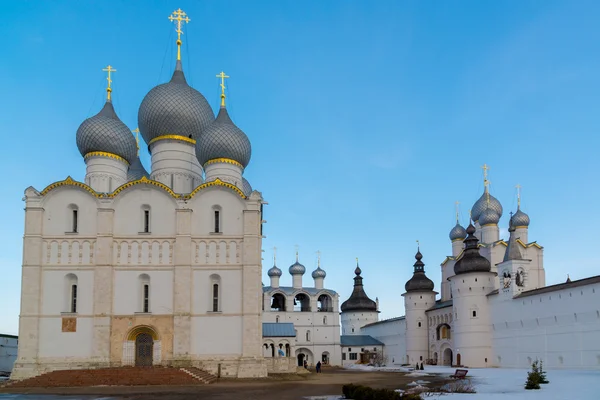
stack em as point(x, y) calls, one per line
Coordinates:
point(276, 387)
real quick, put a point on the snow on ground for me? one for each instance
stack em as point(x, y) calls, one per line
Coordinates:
point(504, 383)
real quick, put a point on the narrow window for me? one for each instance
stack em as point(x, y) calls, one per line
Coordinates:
point(277, 319)
point(74, 220)
point(308, 336)
point(146, 298)
point(217, 226)
point(73, 298)
point(419, 324)
point(215, 297)
point(343, 356)
point(474, 314)
point(146, 221)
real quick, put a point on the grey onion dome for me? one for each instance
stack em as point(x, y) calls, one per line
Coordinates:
point(458, 232)
point(136, 171)
point(174, 108)
point(419, 282)
point(319, 273)
point(297, 268)
point(246, 187)
point(107, 133)
point(520, 219)
point(480, 206)
point(274, 271)
point(471, 260)
point(222, 139)
point(489, 217)
point(358, 300)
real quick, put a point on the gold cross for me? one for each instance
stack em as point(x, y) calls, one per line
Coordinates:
point(223, 77)
point(108, 69)
point(457, 203)
point(318, 258)
point(518, 196)
point(297, 247)
point(178, 15)
point(274, 255)
point(137, 138)
point(485, 174)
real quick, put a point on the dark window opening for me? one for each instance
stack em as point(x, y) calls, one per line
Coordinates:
point(74, 220)
point(215, 297)
point(217, 227)
point(73, 298)
point(146, 221)
point(474, 313)
point(419, 324)
point(146, 298)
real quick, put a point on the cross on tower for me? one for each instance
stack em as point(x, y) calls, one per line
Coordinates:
point(457, 203)
point(178, 17)
point(108, 69)
point(318, 258)
point(274, 255)
point(297, 247)
point(518, 196)
point(223, 77)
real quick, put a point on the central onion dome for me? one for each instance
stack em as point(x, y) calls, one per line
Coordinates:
point(319, 273)
point(419, 281)
point(471, 261)
point(274, 271)
point(105, 132)
point(297, 268)
point(174, 108)
point(520, 219)
point(489, 217)
point(358, 300)
point(485, 201)
point(222, 139)
point(458, 232)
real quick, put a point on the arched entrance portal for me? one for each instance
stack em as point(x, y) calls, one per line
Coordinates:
point(447, 357)
point(301, 358)
point(144, 349)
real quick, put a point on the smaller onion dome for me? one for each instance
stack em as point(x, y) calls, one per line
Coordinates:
point(136, 171)
point(105, 132)
point(520, 219)
point(297, 268)
point(419, 281)
point(246, 187)
point(489, 217)
point(274, 271)
point(319, 273)
point(222, 139)
point(485, 201)
point(471, 260)
point(458, 232)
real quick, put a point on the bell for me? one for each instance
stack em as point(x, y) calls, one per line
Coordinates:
point(276, 302)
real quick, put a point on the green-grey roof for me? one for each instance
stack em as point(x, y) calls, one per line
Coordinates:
point(359, 340)
point(440, 304)
point(283, 329)
point(288, 290)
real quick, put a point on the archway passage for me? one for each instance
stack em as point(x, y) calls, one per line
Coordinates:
point(301, 357)
point(144, 349)
point(447, 360)
point(458, 360)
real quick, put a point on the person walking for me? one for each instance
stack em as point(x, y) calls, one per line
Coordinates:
point(319, 367)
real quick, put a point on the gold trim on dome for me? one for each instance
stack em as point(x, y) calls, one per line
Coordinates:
point(216, 182)
point(223, 160)
point(105, 154)
point(521, 227)
point(490, 225)
point(456, 240)
point(145, 180)
point(173, 137)
point(70, 182)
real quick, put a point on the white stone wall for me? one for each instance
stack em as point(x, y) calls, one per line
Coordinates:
point(352, 321)
point(174, 164)
point(358, 350)
point(392, 333)
point(415, 304)
point(559, 327)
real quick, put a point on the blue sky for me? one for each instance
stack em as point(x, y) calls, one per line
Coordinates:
point(368, 120)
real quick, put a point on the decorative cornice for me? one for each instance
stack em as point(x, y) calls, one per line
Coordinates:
point(70, 182)
point(216, 182)
point(223, 160)
point(144, 180)
point(173, 137)
point(532, 244)
point(105, 154)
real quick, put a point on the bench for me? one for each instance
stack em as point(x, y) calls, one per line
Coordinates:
point(460, 374)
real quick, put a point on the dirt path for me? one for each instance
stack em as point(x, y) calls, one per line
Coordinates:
point(284, 387)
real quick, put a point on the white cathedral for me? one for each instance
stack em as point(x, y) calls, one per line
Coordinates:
point(164, 268)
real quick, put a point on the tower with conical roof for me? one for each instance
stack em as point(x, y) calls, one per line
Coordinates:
point(359, 309)
point(418, 298)
point(107, 146)
point(472, 282)
point(171, 119)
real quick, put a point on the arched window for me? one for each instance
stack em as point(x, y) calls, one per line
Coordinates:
point(144, 293)
point(308, 336)
point(72, 215)
point(71, 292)
point(324, 303)
point(145, 218)
point(325, 320)
point(217, 219)
point(301, 302)
point(277, 319)
point(215, 293)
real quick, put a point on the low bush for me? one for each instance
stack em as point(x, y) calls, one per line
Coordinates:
point(459, 386)
point(358, 392)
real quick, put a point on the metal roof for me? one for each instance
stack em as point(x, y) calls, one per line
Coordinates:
point(440, 304)
point(359, 340)
point(290, 290)
point(284, 329)
point(561, 286)
point(383, 321)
